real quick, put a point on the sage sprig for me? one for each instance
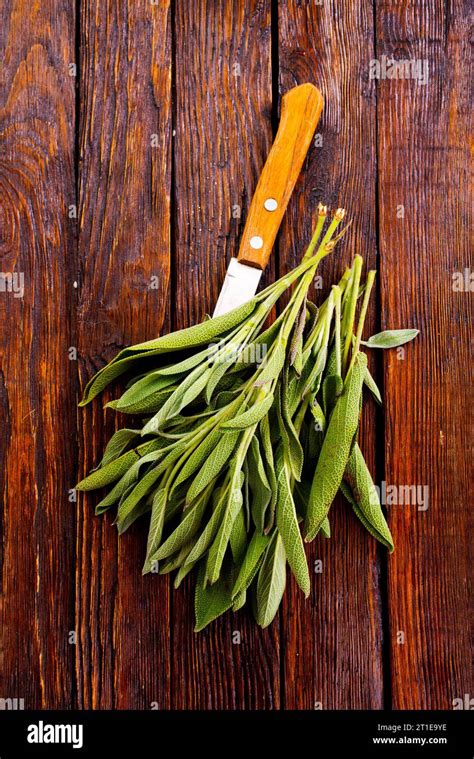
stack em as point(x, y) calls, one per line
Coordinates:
point(245, 435)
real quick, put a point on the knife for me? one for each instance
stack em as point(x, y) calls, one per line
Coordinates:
point(300, 111)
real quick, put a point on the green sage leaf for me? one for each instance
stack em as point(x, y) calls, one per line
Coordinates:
point(331, 390)
point(287, 523)
point(267, 452)
point(214, 464)
point(292, 447)
point(272, 364)
point(336, 448)
point(117, 444)
point(120, 487)
point(364, 498)
point(151, 384)
point(390, 338)
point(326, 528)
point(297, 337)
point(238, 538)
point(149, 404)
point(184, 366)
point(176, 561)
point(198, 456)
point(259, 484)
point(185, 393)
point(156, 527)
point(208, 534)
point(239, 601)
point(142, 487)
point(199, 334)
point(250, 563)
point(252, 416)
point(271, 582)
point(216, 373)
point(109, 473)
point(182, 572)
point(211, 600)
point(138, 510)
point(372, 386)
point(221, 541)
point(186, 529)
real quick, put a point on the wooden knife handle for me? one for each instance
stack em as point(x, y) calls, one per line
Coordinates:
point(300, 111)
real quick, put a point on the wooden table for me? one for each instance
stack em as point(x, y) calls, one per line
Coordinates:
point(132, 137)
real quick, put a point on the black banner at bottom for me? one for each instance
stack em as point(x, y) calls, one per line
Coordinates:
point(370, 733)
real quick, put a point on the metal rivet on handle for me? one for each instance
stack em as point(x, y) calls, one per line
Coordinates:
point(270, 204)
point(256, 242)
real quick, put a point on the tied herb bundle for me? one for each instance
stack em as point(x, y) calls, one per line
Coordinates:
point(248, 434)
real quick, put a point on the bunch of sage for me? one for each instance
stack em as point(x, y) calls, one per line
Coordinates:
point(248, 432)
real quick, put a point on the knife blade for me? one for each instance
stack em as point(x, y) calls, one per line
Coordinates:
point(300, 111)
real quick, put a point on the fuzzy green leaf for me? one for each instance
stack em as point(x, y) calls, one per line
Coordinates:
point(390, 338)
point(211, 600)
point(139, 509)
point(198, 456)
point(271, 582)
point(214, 464)
point(151, 384)
point(186, 529)
point(297, 338)
point(216, 373)
point(142, 487)
point(182, 572)
point(184, 366)
point(267, 453)
point(372, 386)
point(272, 364)
point(259, 485)
point(199, 334)
point(331, 390)
point(239, 601)
point(250, 563)
point(150, 404)
point(336, 448)
point(363, 496)
point(120, 487)
point(287, 523)
point(209, 532)
point(291, 443)
point(156, 527)
point(176, 561)
point(238, 537)
point(221, 541)
point(326, 528)
point(252, 416)
point(185, 393)
point(117, 444)
point(112, 471)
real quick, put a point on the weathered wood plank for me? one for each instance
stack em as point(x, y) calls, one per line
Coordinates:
point(423, 154)
point(223, 134)
point(331, 644)
point(124, 245)
point(37, 378)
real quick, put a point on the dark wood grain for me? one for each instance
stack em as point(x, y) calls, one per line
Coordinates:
point(423, 153)
point(331, 643)
point(37, 379)
point(223, 134)
point(123, 618)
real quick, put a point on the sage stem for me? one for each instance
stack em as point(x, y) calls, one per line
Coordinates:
point(363, 312)
point(354, 285)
